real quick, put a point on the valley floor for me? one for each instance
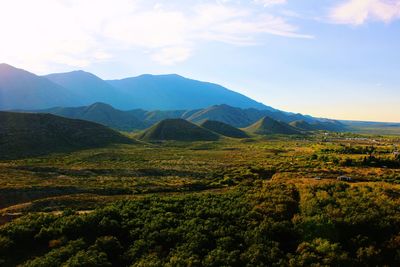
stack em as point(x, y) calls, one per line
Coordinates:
point(255, 202)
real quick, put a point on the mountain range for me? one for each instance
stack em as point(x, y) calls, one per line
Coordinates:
point(140, 119)
point(136, 103)
point(20, 89)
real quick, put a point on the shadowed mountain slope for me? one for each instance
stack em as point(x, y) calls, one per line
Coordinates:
point(223, 129)
point(177, 129)
point(303, 125)
point(28, 134)
point(103, 114)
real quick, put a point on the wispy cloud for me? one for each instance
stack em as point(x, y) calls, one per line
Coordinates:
point(78, 33)
point(357, 12)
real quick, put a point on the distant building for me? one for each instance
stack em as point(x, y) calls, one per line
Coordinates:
point(344, 178)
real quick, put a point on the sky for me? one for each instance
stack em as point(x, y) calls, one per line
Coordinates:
point(327, 58)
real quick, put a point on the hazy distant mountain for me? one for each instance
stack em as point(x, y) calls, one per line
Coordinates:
point(166, 96)
point(20, 89)
point(179, 130)
point(103, 114)
point(27, 134)
point(173, 92)
point(268, 125)
point(224, 129)
point(89, 88)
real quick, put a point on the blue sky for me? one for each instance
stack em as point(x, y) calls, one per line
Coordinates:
point(329, 58)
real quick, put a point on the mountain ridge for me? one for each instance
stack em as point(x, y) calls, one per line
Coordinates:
point(25, 90)
point(140, 119)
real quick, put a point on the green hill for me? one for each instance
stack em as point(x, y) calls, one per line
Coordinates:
point(270, 126)
point(223, 129)
point(103, 114)
point(29, 134)
point(178, 129)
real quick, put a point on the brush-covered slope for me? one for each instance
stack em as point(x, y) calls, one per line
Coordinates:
point(30, 134)
point(179, 130)
point(303, 125)
point(103, 114)
point(20, 89)
point(223, 129)
point(268, 125)
point(90, 89)
point(224, 113)
point(174, 92)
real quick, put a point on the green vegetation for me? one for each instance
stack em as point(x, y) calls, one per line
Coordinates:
point(274, 224)
point(177, 129)
point(303, 125)
point(224, 129)
point(103, 114)
point(28, 134)
point(256, 201)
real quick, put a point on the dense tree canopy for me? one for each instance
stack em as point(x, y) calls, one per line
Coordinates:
point(272, 224)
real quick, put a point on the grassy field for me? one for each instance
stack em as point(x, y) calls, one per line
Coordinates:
point(87, 181)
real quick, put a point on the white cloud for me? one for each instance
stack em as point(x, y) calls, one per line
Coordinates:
point(172, 55)
point(78, 33)
point(270, 2)
point(357, 12)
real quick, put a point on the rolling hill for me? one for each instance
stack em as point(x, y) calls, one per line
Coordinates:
point(224, 129)
point(179, 130)
point(20, 89)
point(268, 125)
point(28, 134)
point(103, 114)
point(174, 92)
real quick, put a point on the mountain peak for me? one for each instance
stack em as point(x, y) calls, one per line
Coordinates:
point(6, 68)
point(100, 105)
point(268, 125)
point(178, 129)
